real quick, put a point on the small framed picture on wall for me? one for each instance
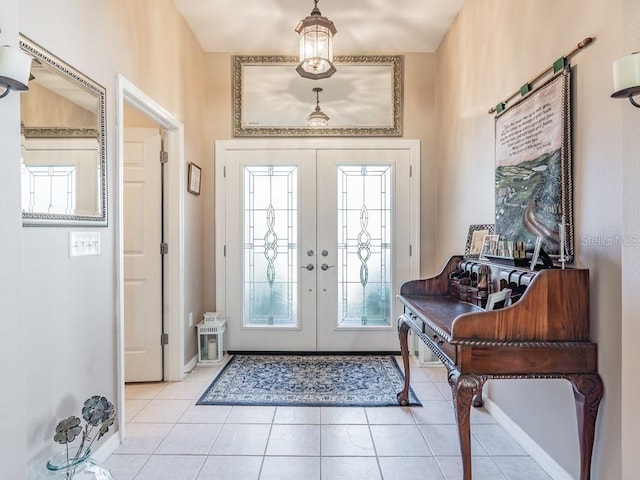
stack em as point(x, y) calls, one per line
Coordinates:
point(194, 180)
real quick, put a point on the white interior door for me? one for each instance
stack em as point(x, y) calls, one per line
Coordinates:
point(142, 259)
point(315, 242)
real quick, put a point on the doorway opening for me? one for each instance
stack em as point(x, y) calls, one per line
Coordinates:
point(173, 224)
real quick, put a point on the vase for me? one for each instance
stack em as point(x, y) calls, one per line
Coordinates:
point(82, 468)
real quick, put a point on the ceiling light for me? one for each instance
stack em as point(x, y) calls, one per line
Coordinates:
point(318, 118)
point(316, 45)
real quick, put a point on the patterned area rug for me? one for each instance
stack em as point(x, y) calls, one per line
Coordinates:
point(308, 380)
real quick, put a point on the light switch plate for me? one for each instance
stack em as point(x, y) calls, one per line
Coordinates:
point(84, 243)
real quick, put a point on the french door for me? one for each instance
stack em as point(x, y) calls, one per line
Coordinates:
point(313, 241)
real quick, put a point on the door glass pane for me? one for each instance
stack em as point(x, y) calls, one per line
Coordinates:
point(364, 245)
point(270, 232)
point(49, 188)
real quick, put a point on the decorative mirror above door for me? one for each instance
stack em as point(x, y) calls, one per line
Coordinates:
point(64, 175)
point(363, 98)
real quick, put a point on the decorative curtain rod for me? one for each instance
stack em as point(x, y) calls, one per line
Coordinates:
point(557, 65)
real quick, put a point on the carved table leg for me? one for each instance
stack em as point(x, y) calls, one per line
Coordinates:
point(403, 331)
point(587, 391)
point(464, 388)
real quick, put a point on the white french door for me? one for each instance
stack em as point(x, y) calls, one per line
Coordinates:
point(314, 240)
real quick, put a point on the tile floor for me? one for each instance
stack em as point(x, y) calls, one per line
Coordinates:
point(169, 437)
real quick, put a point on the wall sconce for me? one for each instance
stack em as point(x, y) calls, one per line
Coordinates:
point(626, 78)
point(316, 45)
point(318, 118)
point(15, 68)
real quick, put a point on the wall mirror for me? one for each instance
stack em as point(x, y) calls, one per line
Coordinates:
point(363, 98)
point(64, 176)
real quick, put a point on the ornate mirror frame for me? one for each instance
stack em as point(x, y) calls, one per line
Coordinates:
point(65, 71)
point(364, 90)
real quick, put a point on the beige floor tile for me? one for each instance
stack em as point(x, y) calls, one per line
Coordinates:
point(297, 415)
point(247, 414)
point(399, 440)
point(496, 441)
point(443, 440)
point(241, 439)
point(343, 416)
point(171, 467)
point(231, 468)
point(350, 468)
point(132, 407)
point(390, 416)
point(162, 411)
point(434, 412)
point(205, 414)
point(520, 468)
point(410, 468)
point(189, 439)
point(147, 391)
point(346, 440)
point(279, 468)
point(482, 468)
point(143, 438)
point(292, 440)
point(125, 467)
point(183, 390)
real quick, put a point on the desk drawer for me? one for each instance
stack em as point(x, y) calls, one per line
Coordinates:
point(440, 343)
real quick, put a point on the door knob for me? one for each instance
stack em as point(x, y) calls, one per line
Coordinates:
point(308, 266)
point(324, 266)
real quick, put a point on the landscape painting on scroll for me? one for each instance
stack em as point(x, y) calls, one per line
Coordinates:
point(533, 168)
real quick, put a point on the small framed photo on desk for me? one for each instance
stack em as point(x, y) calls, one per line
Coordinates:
point(475, 237)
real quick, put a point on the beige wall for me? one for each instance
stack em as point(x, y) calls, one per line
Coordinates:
point(70, 302)
point(418, 123)
point(494, 47)
point(43, 108)
point(630, 257)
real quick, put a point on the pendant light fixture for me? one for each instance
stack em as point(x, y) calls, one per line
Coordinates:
point(316, 45)
point(318, 118)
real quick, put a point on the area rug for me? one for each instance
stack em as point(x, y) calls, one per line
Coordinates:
point(308, 380)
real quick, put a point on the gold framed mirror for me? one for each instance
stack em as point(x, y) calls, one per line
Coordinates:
point(64, 157)
point(363, 98)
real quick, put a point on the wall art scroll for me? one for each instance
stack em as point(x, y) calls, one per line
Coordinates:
point(533, 175)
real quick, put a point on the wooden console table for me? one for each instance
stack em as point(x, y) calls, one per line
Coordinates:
point(544, 334)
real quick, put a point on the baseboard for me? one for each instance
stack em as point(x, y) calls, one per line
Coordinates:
point(107, 449)
point(535, 451)
point(190, 365)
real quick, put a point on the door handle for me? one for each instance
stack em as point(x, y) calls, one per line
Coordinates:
point(324, 266)
point(308, 266)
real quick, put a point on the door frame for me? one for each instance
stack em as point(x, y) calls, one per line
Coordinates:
point(222, 146)
point(173, 295)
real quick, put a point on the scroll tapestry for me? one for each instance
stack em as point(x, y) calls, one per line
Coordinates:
point(533, 174)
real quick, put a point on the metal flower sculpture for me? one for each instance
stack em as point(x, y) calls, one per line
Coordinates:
point(97, 412)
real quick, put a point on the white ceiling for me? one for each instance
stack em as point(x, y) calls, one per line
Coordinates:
point(364, 26)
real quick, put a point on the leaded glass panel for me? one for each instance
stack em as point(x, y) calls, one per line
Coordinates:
point(270, 232)
point(364, 245)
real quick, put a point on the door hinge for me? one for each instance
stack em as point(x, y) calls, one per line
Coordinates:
point(224, 251)
point(164, 248)
point(164, 157)
point(410, 250)
point(224, 171)
point(164, 339)
point(410, 171)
